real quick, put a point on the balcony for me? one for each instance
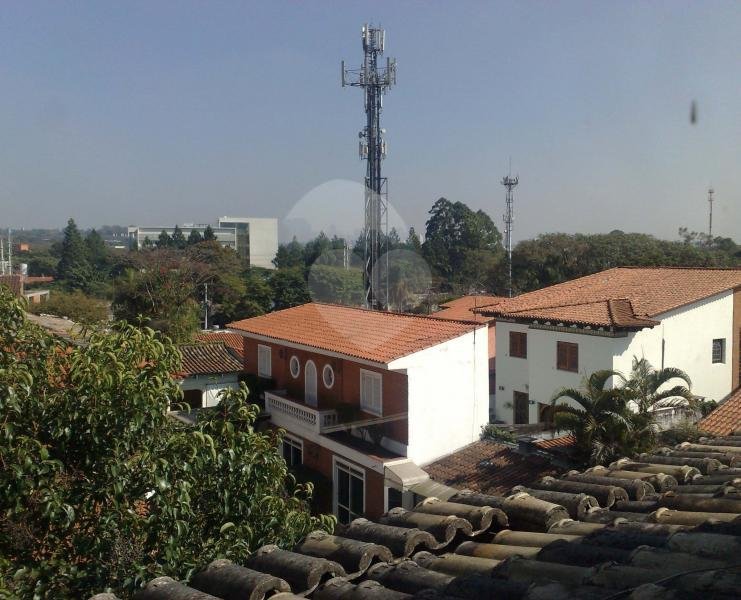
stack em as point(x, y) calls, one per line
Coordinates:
point(290, 414)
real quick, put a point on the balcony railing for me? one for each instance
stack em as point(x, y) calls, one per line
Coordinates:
point(290, 414)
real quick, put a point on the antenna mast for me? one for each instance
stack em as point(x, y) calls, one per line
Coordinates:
point(711, 191)
point(375, 82)
point(509, 182)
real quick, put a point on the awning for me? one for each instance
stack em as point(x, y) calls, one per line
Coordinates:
point(402, 475)
point(433, 489)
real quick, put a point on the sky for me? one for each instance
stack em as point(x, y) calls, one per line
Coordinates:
point(160, 112)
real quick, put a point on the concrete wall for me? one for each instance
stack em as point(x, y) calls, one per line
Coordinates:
point(448, 395)
point(263, 242)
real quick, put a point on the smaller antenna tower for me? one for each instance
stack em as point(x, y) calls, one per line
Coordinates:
point(509, 182)
point(711, 191)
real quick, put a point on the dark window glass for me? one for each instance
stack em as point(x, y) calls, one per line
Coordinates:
point(343, 487)
point(343, 515)
point(394, 498)
point(719, 350)
point(357, 495)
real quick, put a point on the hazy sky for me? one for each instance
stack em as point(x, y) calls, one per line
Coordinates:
point(162, 112)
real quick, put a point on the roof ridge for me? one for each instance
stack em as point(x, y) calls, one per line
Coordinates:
point(388, 312)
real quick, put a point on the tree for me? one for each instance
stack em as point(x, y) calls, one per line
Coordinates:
point(73, 268)
point(164, 240)
point(208, 234)
point(413, 242)
point(600, 421)
point(75, 306)
point(194, 238)
point(160, 289)
point(100, 488)
point(290, 255)
point(289, 288)
point(258, 297)
point(97, 253)
point(456, 239)
point(178, 238)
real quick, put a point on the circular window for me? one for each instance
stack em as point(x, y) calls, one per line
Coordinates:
point(295, 366)
point(328, 376)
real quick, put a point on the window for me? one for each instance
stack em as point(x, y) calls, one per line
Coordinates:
point(328, 376)
point(370, 392)
point(521, 408)
point(349, 492)
point(518, 344)
point(719, 350)
point(567, 356)
point(264, 368)
point(293, 451)
point(295, 366)
point(394, 498)
point(310, 396)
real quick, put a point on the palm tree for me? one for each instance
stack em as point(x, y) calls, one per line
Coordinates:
point(645, 382)
point(601, 420)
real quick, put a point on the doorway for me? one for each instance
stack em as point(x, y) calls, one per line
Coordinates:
point(522, 408)
point(310, 383)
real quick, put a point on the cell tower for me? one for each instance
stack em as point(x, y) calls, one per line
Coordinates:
point(375, 82)
point(711, 191)
point(509, 182)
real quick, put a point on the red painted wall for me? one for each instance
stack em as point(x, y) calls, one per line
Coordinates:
point(346, 388)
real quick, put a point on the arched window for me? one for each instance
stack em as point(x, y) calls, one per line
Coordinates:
point(310, 383)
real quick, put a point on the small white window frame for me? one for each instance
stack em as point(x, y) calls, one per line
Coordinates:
point(364, 407)
point(261, 370)
point(722, 346)
point(328, 369)
point(294, 360)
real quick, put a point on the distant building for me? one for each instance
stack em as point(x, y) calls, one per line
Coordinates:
point(688, 318)
point(255, 240)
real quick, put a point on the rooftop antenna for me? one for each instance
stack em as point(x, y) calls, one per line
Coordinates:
point(375, 81)
point(2, 256)
point(711, 191)
point(10, 254)
point(509, 182)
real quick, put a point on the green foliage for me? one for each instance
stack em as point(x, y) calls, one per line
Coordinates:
point(208, 234)
point(492, 432)
point(100, 488)
point(463, 247)
point(178, 239)
point(611, 421)
point(289, 288)
point(97, 253)
point(336, 284)
point(290, 255)
point(194, 237)
point(685, 431)
point(164, 240)
point(74, 305)
point(74, 269)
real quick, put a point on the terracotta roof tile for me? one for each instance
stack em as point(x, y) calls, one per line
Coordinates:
point(200, 359)
point(726, 418)
point(462, 308)
point(564, 441)
point(371, 335)
point(620, 297)
point(489, 468)
point(233, 341)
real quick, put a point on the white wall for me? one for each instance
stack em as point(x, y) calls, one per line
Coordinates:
point(211, 385)
point(263, 242)
point(687, 333)
point(448, 395)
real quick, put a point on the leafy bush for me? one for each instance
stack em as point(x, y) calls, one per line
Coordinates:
point(76, 306)
point(685, 431)
point(100, 489)
point(492, 432)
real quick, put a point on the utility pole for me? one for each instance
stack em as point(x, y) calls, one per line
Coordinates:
point(205, 306)
point(711, 191)
point(375, 82)
point(10, 253)
point(509, 182)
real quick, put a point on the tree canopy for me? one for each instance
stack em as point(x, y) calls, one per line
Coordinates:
point(101, 489)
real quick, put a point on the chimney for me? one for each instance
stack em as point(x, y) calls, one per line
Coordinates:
point(526, 445)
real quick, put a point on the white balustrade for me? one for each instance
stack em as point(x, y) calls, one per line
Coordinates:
point(288, 413)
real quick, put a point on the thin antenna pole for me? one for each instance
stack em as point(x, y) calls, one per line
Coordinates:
point(10, 254)
point(205, 306)
point(375, 82)
point(2, 256)
point(509, 182)
point(711, 191)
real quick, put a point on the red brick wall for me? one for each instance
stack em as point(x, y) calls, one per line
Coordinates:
point(320, 459)
point(346, 388)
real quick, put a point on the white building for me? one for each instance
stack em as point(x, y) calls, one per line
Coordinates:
point(367, 396)
point(675, 317)
point(255, 240)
